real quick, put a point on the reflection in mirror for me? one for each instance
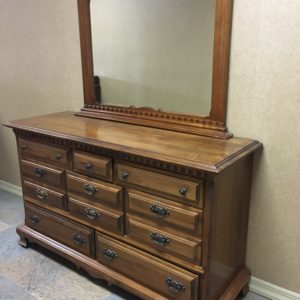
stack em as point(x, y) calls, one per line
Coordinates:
point(154, 53)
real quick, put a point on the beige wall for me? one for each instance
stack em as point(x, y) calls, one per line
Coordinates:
point(40, 66)
point(264, 103)
point(40, 72)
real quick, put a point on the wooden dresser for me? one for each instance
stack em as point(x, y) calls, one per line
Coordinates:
point(160, 213)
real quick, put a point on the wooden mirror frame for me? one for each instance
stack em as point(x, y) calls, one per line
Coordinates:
point(212, 125)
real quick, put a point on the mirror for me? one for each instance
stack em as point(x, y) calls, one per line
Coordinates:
point(158, 61)
point(153, 53)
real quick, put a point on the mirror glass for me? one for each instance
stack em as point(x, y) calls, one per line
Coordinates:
point(154, 53)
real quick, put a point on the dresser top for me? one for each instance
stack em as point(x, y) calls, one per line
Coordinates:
point(204, 153)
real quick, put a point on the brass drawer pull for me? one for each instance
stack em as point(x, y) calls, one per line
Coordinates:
point(90, 189)
point(79, 240)
point(42, 195)
point(109, 254)
point(174, 286)
point(39, 172)
point(34, 219)
point(159, 211)
point(183, 191)
point(91, 213)
point(58, 156)
point(125, 175)
point(88, 166)
point(159, 239)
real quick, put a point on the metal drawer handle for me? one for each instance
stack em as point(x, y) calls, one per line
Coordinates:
point(34, 219)
point(79, 240)
point(91, 213)
point(159, 239)
point(109, 254)
point(88, 166)
point(174, 286)
point(39, 172)
point(23, 147)
point(159, 211)
point(90, 189)
point(183, 191)
point(125, 175)
point(41, 194)
point(58, 156)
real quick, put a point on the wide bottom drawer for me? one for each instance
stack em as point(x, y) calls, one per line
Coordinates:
point(74, 235)
point(162, 277)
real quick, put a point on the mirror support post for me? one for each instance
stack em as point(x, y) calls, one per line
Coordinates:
point(86, 51)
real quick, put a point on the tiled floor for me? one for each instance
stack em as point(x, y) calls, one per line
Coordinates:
point(35, 273)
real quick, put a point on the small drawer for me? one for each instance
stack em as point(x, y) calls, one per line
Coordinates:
point(49, 154)
point(93, 165)
point(183, 190)
point(156, 274)
point(186, 248)
point(164, 212)
point(95, 190)
point(72, 234)
point(43, 175)
point(104, 218)
point(43, 195)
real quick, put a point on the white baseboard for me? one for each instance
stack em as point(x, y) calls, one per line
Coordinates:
point(271, 291)
point(11, 188)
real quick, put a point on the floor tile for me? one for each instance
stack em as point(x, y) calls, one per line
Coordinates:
point(9, 247)
point(31, 269)
point(70, 285)
point(3, 226)
point(5, 195)
point(11, 210)
point(10, 291)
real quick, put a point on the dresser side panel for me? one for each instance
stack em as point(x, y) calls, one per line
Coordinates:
point(229, 212)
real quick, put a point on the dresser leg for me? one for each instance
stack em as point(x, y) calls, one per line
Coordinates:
point(245, 290)
point(23, 242)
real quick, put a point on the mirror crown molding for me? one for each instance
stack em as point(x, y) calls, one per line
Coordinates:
point(213, 125)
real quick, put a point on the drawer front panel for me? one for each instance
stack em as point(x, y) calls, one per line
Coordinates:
point(164, 212)
point(44, 195)
point(92, 165)
point(107, 219)
point(187, 249)
point(162, 184)
point(43, 175)
point(74, 235)
point(95, 190)
point(50, 154)
point(164, 278)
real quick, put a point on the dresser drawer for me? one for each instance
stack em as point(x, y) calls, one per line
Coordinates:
point(95, 190)
point(186, 248)
point(162, 277)
point(43, 175)
point(50, 154)
point(74, 235)
point(164, 212)
point(44, 195)
point(184, 190)
point(92, 165)
point(104, 218)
